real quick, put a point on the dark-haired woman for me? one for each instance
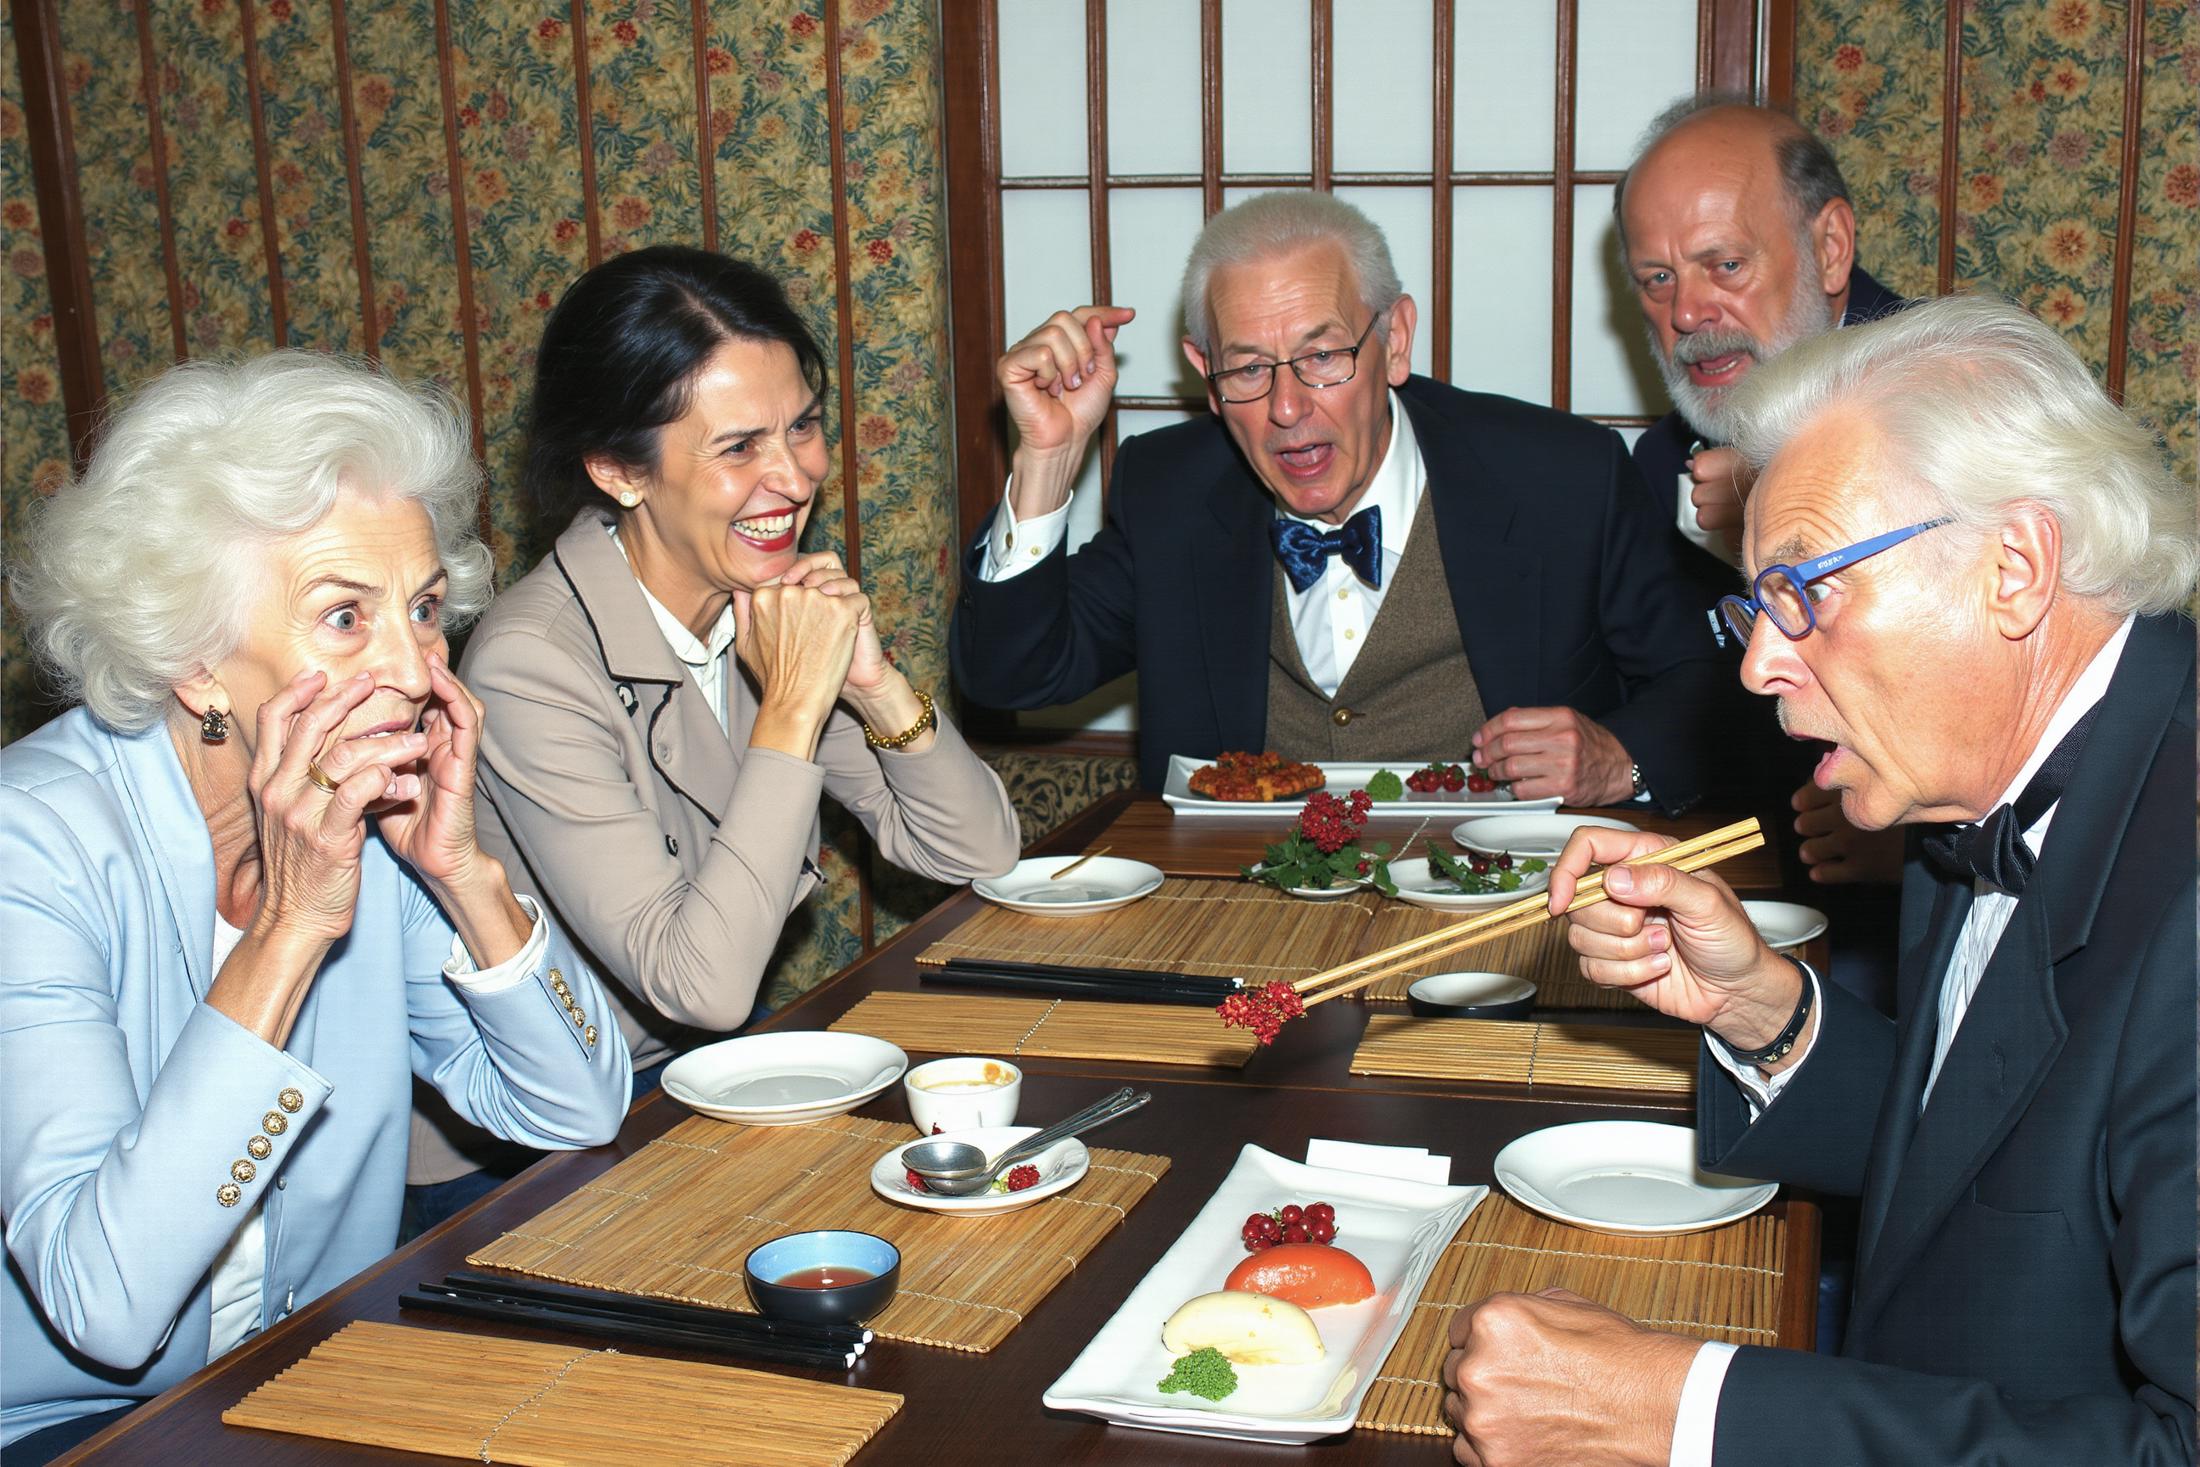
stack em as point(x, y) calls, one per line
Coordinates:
point(671, 690)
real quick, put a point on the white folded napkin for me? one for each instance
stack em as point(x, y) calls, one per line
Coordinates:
point(1407, 1163)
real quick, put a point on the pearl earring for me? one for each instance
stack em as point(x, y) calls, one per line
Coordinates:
point(628, 498)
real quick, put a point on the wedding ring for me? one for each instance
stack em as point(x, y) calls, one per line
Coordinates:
point(319, 776)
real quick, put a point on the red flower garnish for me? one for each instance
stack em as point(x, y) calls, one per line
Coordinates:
point(1263, 1010)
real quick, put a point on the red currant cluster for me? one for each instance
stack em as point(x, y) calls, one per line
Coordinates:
point(1332, 824)
point(1023, 1176)
point(1262, 1010)
point(1314, 1223)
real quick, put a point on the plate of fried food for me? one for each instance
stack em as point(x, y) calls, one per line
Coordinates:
point(1254, 785)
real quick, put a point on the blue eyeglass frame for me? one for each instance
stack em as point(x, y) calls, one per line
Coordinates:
point(1814, 569)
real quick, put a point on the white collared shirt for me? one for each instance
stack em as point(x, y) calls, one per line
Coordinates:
point(1983, 926)
point(1329, 619)
point(705, 662)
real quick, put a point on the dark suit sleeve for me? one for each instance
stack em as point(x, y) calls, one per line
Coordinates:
point(1060, 629)
point(1677, 682)
point(1823, 1410)
point(1817, 1133)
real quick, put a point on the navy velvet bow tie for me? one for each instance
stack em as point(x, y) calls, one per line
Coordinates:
point(1304, 549)
point(1993, 850)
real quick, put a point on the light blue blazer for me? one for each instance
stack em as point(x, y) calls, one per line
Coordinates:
point(139, 1126)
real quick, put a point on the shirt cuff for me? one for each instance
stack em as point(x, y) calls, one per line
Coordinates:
point(1012, 548)
point(1759, 1088)
point(510, 973)
point(1696, 1424)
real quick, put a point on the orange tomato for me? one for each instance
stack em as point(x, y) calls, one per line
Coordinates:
point(1309, 1275)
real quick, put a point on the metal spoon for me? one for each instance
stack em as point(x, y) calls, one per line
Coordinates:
point(959, 1169)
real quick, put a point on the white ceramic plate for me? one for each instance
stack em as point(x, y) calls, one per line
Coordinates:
point(1326, 893)
point(1176, 792)
point(1528, 835)
point(1624, 1177)
point(1397, 1228)
point(1422, 887)
point(783, 1079)
point(1785, 924)
point(1100, 885)
point(1061, 1166)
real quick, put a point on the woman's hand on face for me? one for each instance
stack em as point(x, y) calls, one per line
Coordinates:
point(432, 828)
point(310, 838)
point(798, 642)
point(822, 572)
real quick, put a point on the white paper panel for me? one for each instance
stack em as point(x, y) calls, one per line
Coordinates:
point(1151, 232)
point(1501, 291)
point(1403, 216)
point(1085, 499)
point(1113, 708)
point(1046, 256)
point(1267, 86)
point(1504, 78)
point(1635, 57)
point(1042, 87)
point(1382, 103)
point(1153, 86)
point(1628, 433)
point(1232, 197)
point(1612, 368)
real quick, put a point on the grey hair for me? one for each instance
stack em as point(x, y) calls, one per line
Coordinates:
point(141, 571)
point(1275, 223)
point(1810, 175)
point(1983, 407)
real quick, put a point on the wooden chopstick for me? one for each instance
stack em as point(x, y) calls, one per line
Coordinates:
point(1081, 860)
point(1690, 855)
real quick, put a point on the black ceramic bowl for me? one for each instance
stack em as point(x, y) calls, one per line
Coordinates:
point(1471, 996)
point(832, 1251)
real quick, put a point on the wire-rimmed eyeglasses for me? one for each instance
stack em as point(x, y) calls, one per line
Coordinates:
point(1332, 366)
point(1782, 592)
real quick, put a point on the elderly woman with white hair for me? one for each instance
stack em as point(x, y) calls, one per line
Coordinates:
point(243, 898)
point(1969, 574)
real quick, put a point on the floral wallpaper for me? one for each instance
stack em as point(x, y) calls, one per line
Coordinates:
point(2040, 155)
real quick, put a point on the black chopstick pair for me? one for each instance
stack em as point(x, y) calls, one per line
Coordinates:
point(1082, 982)
point(640, 1321)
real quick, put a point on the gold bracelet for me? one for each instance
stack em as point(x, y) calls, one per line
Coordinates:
point(926, 721)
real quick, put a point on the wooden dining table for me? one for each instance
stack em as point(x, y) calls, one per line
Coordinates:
point(986, 1407)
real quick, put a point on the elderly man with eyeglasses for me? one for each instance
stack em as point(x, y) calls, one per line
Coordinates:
point(1344, 561)
point(1969, 570)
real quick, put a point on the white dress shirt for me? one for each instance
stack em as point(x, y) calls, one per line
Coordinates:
point(1983, 926)
point(1329, 619)
point(705, 661)
point(240, 1269)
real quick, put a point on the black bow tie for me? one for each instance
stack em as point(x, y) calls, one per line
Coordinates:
point(1305, 551)
point(1993, 850)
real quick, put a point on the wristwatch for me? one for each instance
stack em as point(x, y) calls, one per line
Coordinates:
point(1634, 778)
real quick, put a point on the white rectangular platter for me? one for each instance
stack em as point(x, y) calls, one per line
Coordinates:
point(1176, 792)
point(1397, 1228)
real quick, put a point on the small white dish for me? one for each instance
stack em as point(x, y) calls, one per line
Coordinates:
point(1326, 893)
point(1061, 1166)
point(962, 1093)
point(1785, 924)
point(1424, 888)
point(783, 1079)
point(1471, 996)
point(1635, 1177)
point(1528, 835)
point(1100, 885)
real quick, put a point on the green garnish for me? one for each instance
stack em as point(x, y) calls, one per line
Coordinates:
point(1386, 786)
point(1460, 872)
point(1204, 1372)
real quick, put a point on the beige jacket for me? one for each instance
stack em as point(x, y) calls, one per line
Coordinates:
point(670, 852)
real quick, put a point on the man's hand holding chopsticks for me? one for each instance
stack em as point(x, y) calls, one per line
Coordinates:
point(1679, 941)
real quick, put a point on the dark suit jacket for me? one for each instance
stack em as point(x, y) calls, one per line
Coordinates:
point(2025, 1275)
point(1566, 589)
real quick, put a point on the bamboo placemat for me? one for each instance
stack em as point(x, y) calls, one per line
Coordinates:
point(956, 1023)
point(676, 1219)
point(1225, 929)
point(498, 1400)
point(1540, 955)
point(1718, 1285)
point(1539, 1053)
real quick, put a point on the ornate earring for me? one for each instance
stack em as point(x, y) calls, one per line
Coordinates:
point(628, 498)
point(214, 725)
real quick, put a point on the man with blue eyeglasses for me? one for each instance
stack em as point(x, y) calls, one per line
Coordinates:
point(1969, 570)
point(1343, 560)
